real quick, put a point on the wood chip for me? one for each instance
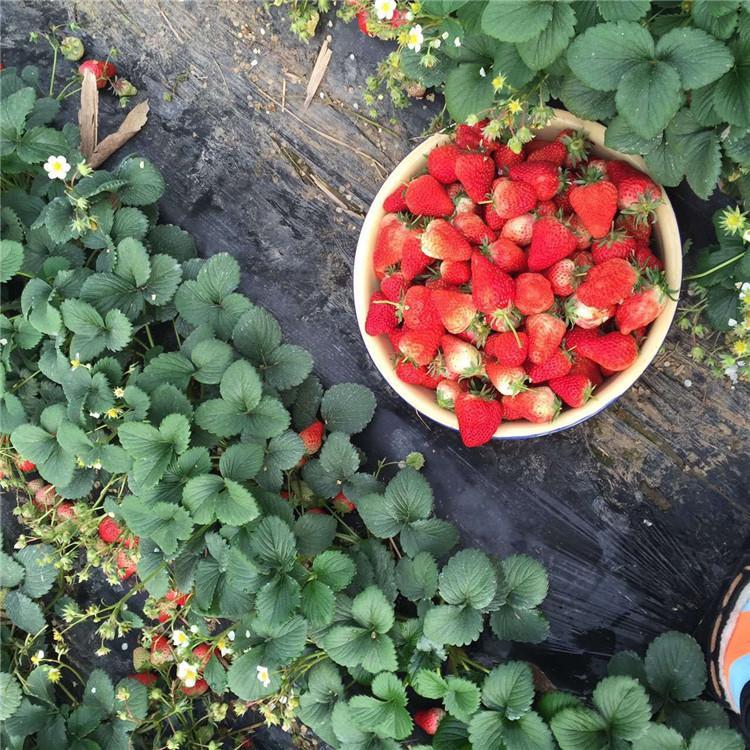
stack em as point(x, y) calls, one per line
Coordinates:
point(135, 120)
point(88, 115)
point(318, 71)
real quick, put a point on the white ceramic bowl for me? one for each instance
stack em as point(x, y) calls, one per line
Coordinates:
point(665, 243)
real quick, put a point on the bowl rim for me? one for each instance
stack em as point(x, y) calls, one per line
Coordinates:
point(666, 236)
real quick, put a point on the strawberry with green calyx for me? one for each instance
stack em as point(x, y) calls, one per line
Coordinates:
point(576, 145)
point(381, 315)
point(585, 316)
point(429, 719)
point(511, 199)
point(441, 163)
point(639, 230)
point(545, 334)
point(555, 366)
point(393, 286)
point(574, 390)
point(616, 244)
point(476, 173)
point(425, 196)
point(614, 351)
point(507, 380)
point(418, 310)
point(395, 202)
point(479, 415)
point(461, 358)
point(161, 651)
point(455, 272)
point(419, 346)
point(519, 229)
point(456, 309)
point(543, 176)
point(595, 202)
point(607, 283)
point(473, 228)
point(410, 373)
point(312, 437)
point(639, 196)
point(641, 308)
point(551, 240)
point(24, 465)
point(539, 405)
point(645, 259)
point(443, 241)
point(506, 255)
point(446, 393)
point(533, 293)
point(477, 332)
point(493, 292)
point(509, 348)
point(462, 202)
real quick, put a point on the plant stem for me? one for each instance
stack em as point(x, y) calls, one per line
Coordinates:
point(716, 268)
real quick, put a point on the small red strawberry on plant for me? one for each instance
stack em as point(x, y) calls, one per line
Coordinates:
point(429, 719)
point(45, 497)
point(200, 687)
point(479, 415)
point(312, 437)
point(24, 465)
point(342, 504)
point(126, 565)
point(103, 71)
point(66, 511)
point(161, 651)
point(109, 530)
point(145, 678)
point(574, 389)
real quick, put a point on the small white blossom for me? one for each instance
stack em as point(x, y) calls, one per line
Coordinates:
point(188, 673)
point(231, 635)
point(94, 414)
point(57, 167)
point(731, 322)
point(193, 629)
point(384, 9)
point(415, 38)
point(445, 35)
point(263, 676)
point(456, 42)
point(409, 16)
point(482, 72)
point(3, 341)
point(732, 373)
point(119, 392)
point(746, 236)
point(180, 639)
point(436, 43)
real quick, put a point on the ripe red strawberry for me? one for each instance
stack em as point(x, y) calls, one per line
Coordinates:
point(616, 244)
point(45, 497)
point(533, 293)
point(395, 336)
point(102, 70)
point(446, 393)
point(492, 289)
point(381, 315)
point(389, 244)
point(511, 199)
point(441, 240)
point(584, 366)
point(551, 241)
point(640, 309)
point(617, 171)
point(543, 176)
point(555, 366)
point(66, 511)
point(161, 651)
point(419, 346)
point(145, 678)
point(343, 504)
point(562, 276)
point(203, 653)
point(109, 530)
point(126, 564)
point(425, 196)
point(583, 236)
point(429, 719)
point(24, 465)
point(473, 228)
point(418, 310)
point(460, 357)
point(413, 260)
point(596, 205)
point(507, 380)
point(539, 405)
point(577, 335)
point(635, 226)
point(508, 348)
point(545, 333)
point(574, 390)
point(456, 309)
point(614, 351)
point(455, 272)
point(200, 687)
point(639, 196)
point(476, 173)
point(395, 202)
point(393, 286)
point(506, 255)
point(607, 283)
point(468, 136)
point(362, 22)
point(410, 373)
point(312, 435)
point(479, 415)
point(492, 219)
point(177, 596)
point(519, 229)
point(504, 157)
point(551, 151)
point(644, 258)
point(441, 163)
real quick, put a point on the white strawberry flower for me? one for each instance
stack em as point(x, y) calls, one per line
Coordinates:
point(264, 677)
point(180, 639)
point(384, 9)
point(57, 167)
point(188, 673)
point(415, 38)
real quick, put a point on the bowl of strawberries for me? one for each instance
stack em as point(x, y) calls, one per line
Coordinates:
point(512, 295)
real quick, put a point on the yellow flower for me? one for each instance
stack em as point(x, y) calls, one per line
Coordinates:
point(499, 81)
point(53, 674)
point(514, 106)
point(75, 363)
point(37, 657)
point(741, 347)
point(113, 413)
point(733, 220)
